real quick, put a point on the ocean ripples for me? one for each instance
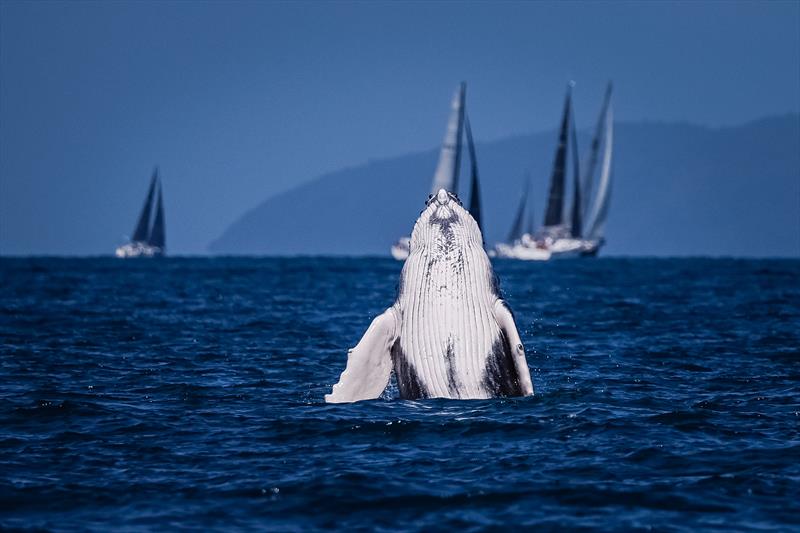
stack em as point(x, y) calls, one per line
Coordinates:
point(189, 393)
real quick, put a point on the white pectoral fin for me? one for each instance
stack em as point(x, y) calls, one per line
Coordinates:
point(369, 364)
point(505, 320)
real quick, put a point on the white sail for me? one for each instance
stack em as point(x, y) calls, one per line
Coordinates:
point(599, 212)
point(446, 176)
point(594, 151)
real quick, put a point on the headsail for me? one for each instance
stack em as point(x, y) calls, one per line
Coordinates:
point(576, 227)
point(599, 213)
point(142, 230)
point(474, 194)
point(446, 176)
point(157, 234)
point(591, 164)
point(519, 219)
point(554, 215)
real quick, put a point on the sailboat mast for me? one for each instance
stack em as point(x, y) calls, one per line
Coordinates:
point(516, 227)
point(576, 228)
point(474, 194)
point(446, 175)
point(531, 218)
point(141, 232)
point(158, 233)
point(555, 199)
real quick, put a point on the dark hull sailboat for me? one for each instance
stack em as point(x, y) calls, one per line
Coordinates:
point(148, 240)
point(447, 170)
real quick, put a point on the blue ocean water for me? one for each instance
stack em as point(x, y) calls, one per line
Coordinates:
point(187, 393)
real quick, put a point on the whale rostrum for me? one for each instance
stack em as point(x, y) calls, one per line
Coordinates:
point(449, 334)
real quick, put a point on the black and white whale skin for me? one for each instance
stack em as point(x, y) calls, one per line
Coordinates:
point(449, 334)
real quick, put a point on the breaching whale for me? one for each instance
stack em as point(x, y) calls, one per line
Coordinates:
point(449, 334)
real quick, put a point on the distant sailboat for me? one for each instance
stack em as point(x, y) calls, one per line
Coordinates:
point(519, 219)
point(448, 167)
point(148, 240)
point(519, 243)
point(577, 232)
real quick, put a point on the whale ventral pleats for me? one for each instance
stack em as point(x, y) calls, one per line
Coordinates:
point(448, 335)
point(408, 382)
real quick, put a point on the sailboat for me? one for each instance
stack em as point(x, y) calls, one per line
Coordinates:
point(520, 243)
point(578, 231)
point(449, 165)
point(148, 240)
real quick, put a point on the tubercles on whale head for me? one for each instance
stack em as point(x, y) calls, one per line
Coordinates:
point(442, 198)
point(444, 226)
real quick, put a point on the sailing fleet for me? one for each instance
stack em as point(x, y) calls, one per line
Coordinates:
point(570, 229)
point(573, 226)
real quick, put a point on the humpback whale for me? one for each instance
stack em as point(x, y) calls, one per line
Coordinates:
point(449, 334)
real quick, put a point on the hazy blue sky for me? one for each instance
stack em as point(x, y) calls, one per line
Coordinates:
point(237, 101)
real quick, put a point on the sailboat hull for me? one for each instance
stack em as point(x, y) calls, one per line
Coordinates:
point(138, 249)
point(401, 248)
point(527, 249)
point(521, 251)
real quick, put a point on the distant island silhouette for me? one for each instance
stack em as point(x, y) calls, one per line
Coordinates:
point(678, 189)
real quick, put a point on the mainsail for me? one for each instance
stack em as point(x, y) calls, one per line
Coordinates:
point(157, 234)
point(474, 194)
point(446, 176)
point(141, 233)
point(519, 219)
point(554, 215)
point(447, 169)
point(594, 151)
point(599, 212)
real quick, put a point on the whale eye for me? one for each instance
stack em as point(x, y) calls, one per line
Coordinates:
point(520, 348)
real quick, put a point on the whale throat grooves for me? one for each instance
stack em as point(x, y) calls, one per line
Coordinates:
point(448, 334)
point(501, 378)
point(408, 382)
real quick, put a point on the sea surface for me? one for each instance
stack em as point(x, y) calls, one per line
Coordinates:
point(188, 393)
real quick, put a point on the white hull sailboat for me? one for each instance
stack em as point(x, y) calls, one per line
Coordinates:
point(401, 248)
point(148, 240)
point(579, 232)
point(528, 248)
point(137, 249)
point(448, 167)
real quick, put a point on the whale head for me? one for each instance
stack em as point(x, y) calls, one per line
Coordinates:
point(446, 251)
point(445, 228)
